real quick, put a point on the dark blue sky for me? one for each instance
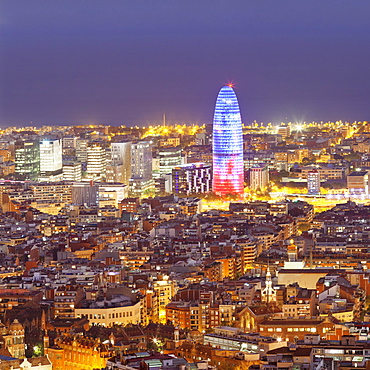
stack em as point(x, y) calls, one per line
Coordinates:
point(127, 62)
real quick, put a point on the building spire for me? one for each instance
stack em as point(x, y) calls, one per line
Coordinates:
point(268, 293)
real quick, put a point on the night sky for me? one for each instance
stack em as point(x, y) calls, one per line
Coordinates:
point(128, 62)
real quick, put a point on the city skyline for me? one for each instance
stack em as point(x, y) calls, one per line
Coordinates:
point(128, 63)
point(147, 222)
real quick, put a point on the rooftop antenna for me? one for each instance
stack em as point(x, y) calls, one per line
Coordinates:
point(164, 119)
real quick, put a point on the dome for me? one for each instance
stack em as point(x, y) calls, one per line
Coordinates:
point(16, 326)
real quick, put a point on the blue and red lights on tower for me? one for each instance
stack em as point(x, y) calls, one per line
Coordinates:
point(228, 165)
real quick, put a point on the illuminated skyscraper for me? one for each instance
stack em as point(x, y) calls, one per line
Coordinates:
point(51, 160)
point(141, 160)
point(27, 159)
point(121, 161)
point(228, 167)
point(96, 161)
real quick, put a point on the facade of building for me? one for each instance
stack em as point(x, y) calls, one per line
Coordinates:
point(12, 339)
point(165, 290)
point(52, 192)
point(51, 160)
point(141, 160)
point(27, 159)
point(121, 156)
point(78, 353)
point(81, 150)
point(69, 142)
point(249, 247)
point(358, 182)
point(72, 171)
point(114, 173)
point(328, 172)
point(228, 166)
point(168, 158)
point(96, 162)
point(85, 193)
point(313, 182)
point(192, 178)
point(284, 131)
point(295, 329)
point(112, 194)
point(110, 314)
point(66, 297)
point(199, 316)
point(140, 187)
point(259, 177)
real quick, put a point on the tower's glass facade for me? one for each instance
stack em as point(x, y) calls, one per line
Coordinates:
point(228, 166)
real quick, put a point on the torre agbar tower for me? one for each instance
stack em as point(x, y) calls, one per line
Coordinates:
point(228, 166)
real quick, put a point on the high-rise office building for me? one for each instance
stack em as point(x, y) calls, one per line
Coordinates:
point(168, 158)
point(313, 182)
point(141, 160)
point(81, 150)
point(121, 156)
point(96, 161)
point(27, 159)
point(192, 178)
point(228, 167)
point(51, 160)
point(72, 171)
point(258, 176)
point(141, 168)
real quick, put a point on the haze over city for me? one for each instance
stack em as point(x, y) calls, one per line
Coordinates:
point(121, 62)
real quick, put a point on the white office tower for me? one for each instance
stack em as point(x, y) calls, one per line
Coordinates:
point(121, 161)
point(72, 171)
point(141, 166)
point(51, 160)
point(81, 150)
point(141, 160)
point(96, 162)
